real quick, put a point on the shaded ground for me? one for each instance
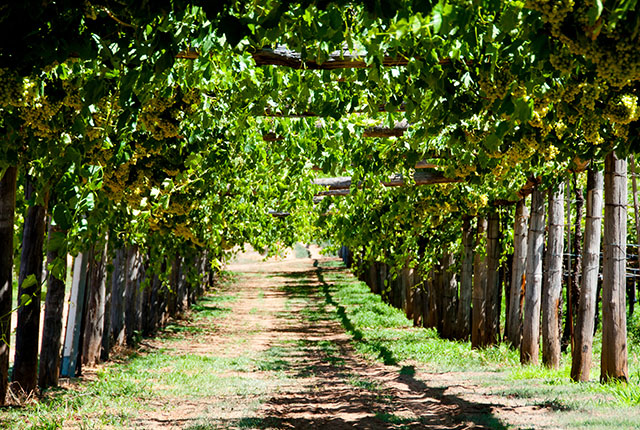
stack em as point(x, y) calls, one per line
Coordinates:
point(270, 350)
point(298, 343)
point(281, 308)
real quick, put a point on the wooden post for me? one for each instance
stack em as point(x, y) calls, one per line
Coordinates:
point(94, 313)
point(71, 349)
point(479, 287)
point(25, 365)
point(105, 348)
point(636, 206)
point(493, 292)
point(450, 296)
point(530, 346)
point(131, 295)
point(155, 305)
point(518, 277)
point(636, 214)
point(581, 354)
point(432, 317)
point(174, 281)
point(417, 305)
point(139, 283)
point(49, 366)
point(614, 312)
point(183, 287)
point(573, 287)
point(552, 281)
point(407, 288)
point(466, 281)
point(7, 215)
point(118, 282)
point(162, 296)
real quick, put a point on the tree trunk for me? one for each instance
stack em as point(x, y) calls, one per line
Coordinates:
point(552, 281)
point(529, 348)
point(614, 311)
point(581, 354)
point(7, 214)
point(25, 366)
point(493, 292)
point(466, 281)
point(49, 368)
point(478, 324)
point(518, 274)
point(118, 283)
point(94, 313)
point(450, 295)
point(573, 293)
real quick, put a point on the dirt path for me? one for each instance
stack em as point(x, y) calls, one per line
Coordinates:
point(312, 378)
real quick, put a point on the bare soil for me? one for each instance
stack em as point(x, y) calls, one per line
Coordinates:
point(328, 385)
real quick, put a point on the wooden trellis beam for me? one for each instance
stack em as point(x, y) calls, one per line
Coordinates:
point(423, 164)
point(339, 60)
point(307, 114)
point(397, 130)
point(281, 56)
point(421, 177)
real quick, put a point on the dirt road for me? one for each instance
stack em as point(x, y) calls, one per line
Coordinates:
point(308, 375)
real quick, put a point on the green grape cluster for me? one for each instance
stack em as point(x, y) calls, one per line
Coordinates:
point(495, 86)
point(553, 12)
point(159, 118)
point(115, 179)
point(37, 116)
point(591, 127)
point(11, 89)
point(72, 98)
point(104, 111)
point(475, 136)
point(520, 151)
point(613, 50)
point(474, 201)
point(622, 109)
point(192, 98)
point(562, 61)
point(560, 128)
point(463, 170)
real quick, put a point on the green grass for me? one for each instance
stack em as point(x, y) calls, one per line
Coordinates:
point(383, 333)
point(300, 251)
point(124, 388)
point(108, 400)
point(363, 383)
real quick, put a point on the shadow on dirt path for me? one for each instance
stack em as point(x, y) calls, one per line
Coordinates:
point(334, 388)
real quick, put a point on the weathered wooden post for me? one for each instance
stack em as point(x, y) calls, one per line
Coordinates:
point(74, 318)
